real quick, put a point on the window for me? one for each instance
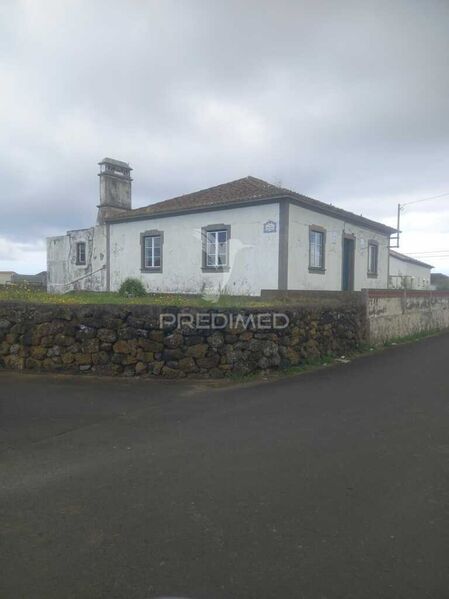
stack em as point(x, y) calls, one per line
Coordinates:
point(81, 252)
point(217, 242)
point(316, 249)
point(216, 247)
point(151, 244)
point(373, 252)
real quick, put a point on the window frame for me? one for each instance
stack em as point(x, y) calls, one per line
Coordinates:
point(79, 245)
point(146, 235)
point(373, 274)
point(205, 231)
point(321, 269)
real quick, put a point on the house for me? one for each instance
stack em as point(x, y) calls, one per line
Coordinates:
point(236, 238)
point(439, 281)
point(408, 273)
point(12, 278)
point(38, 280)
point(6, 276)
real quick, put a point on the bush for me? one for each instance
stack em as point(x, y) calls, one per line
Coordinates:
point(132, 288)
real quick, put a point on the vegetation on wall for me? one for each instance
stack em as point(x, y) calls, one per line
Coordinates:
point(132, 288)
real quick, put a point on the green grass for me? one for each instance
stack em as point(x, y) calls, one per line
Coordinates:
point(413, 337)
point(154, 299)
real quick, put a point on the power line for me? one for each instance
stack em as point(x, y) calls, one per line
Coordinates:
point(425, 199)
point(428, 252)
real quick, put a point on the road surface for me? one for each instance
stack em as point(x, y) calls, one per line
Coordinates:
point(328, 485)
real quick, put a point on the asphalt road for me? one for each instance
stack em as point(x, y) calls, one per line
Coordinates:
point(333, 484)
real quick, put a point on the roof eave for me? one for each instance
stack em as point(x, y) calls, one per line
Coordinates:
point(330, 211)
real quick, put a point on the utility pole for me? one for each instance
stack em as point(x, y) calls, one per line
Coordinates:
point(396, 239)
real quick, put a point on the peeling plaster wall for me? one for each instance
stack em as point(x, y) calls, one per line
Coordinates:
point(299, 276)
point(64, 274)
point(395, 314)
point(253, 253)
point(406, 274)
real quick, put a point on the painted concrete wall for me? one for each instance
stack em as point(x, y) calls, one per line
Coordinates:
point(253, 253)
point(397, 314)
point(299, 276)
point(63, 272)
point(5, 277)
point(405, 274)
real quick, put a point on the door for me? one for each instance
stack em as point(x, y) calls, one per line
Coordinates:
point(348, 264)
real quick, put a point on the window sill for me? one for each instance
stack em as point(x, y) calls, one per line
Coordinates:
point(80, 263)
point(150, 270)
point(372, 275)
point(215, 269)
point(317, 271)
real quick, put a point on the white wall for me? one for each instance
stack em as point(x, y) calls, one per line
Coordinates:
point(63, 272)
point(405, 274)
point(299, 276)
point(396, 314)
point(253, 253)
point(5, 277)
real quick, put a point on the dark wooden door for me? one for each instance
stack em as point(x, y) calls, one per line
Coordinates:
point(348, 264)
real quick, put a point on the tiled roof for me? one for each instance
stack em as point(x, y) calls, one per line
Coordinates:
point(243, 191)
point(405, 258)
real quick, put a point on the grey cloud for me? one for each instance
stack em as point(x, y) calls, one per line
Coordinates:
point(343, 101)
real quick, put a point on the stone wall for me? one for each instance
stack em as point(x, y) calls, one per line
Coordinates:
point(395, 314)
point(129, 340)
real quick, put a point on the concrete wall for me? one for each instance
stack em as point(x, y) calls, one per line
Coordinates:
point(404, 274)
point(253, 253)
point(394, 314)
point(64, 274)
point(299, 276)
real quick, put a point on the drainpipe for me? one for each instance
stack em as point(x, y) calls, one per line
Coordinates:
point(108, 257)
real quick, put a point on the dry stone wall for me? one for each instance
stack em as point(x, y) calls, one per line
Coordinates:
point(129, 340)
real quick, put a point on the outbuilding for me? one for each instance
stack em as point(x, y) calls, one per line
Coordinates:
point(408, 273)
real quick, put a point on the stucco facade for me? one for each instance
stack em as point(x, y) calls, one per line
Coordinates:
point(270, 234)
point(64, 272)
point(300, 276)
point(408, 273)
point(253, 254)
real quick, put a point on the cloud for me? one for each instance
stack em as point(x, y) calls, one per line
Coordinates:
point(343, 101)
point(22, 257)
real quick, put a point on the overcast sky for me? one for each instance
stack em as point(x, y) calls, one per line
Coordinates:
point(346, 102)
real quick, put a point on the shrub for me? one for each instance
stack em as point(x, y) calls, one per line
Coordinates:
point(132, 288)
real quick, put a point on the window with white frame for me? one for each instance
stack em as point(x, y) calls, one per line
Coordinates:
point(373, 258)
point(152, 252)
point(217, 248)
point(81, 253)
point(316, 249)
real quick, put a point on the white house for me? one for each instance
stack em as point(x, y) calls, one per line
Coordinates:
point(6, 276)
point(235, 238)
point(408, 273)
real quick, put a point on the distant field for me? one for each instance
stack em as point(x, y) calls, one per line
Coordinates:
point(163, 299)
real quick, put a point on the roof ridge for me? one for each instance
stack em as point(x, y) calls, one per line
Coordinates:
point(406, 258)
point(245, 190)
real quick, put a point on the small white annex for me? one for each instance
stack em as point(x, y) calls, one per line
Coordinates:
point(408, 273)
point(236, 238)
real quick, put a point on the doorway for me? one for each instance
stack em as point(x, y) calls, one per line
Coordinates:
point(348, 263)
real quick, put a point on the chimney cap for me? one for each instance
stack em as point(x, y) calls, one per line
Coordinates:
point(114, 162)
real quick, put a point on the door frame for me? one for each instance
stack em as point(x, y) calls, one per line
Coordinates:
point(352, 263)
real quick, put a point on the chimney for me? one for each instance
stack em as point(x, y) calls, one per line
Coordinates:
point(115, 189)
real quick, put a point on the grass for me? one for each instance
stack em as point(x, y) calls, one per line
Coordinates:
point(413, 337)
point(30, 295)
